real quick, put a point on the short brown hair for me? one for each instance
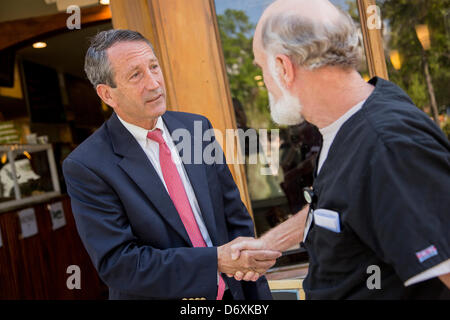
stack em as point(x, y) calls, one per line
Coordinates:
point(96, 64)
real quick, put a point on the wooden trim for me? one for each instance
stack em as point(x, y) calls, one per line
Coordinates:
point(373, 43)
point(239, 169)
point(17, 31)
point(291, 284)
point(286, 284)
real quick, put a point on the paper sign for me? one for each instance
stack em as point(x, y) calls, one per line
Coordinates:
point(57, 214)
point(28, 223)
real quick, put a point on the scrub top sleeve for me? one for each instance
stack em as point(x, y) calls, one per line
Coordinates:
point(408, 194)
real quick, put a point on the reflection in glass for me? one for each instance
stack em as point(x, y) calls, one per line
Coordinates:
point(351, 7)
point(416, 42)
point(274, 198)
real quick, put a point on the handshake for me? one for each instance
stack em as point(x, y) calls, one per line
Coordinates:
point(246, 258)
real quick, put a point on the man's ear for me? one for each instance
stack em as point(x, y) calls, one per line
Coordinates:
point(104, 92)
point(285, 69)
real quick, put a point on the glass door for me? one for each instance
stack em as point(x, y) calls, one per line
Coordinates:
point(277, 196)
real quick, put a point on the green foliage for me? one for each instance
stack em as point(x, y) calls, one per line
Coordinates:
point(402, 17)
point(446, 128)
point(353, 10)
point(236, 32)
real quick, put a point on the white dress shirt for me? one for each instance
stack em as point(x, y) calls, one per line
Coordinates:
point(328, 134)
point(151, 149)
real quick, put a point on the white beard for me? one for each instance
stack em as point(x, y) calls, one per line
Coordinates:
point(288, 109)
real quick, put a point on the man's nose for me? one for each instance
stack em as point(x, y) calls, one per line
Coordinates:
point(151, 81)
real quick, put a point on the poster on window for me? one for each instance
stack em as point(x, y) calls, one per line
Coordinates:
point(57, 214)
point(28, 223)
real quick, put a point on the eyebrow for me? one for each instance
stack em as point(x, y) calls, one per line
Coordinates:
point(133, 68)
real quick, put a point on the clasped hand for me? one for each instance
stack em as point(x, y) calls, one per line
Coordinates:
point(245, 258)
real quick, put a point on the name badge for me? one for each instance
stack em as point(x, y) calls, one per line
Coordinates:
point(327, 219)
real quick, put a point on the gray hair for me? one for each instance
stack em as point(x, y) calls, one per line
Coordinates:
point(96, 64)
point(312, 44)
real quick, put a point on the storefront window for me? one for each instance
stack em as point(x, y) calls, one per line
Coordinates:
point(45, 99)
point(416, 41)
point(275, 197)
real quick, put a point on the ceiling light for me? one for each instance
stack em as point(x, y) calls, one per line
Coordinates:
point(104, 2)
point(39, 45)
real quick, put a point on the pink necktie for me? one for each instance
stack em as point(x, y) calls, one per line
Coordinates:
point(179, 197)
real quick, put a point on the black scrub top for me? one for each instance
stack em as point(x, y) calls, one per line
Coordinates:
point(387, 174)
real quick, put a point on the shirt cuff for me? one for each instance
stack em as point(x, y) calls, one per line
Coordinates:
point(436, 271)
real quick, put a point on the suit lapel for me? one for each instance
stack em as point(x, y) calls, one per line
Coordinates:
point(139, 168)
point(197, 177)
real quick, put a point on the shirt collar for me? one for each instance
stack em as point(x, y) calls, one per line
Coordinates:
point(336, 125)
point(140, 134)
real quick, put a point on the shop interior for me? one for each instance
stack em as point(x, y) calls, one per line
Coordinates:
point(47, 108)
point(51, 100)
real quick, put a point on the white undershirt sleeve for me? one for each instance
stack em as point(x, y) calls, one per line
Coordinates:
point(436, 271)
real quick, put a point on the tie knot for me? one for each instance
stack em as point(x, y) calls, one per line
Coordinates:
point(156, 135)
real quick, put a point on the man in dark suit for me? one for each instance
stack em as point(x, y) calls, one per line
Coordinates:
point(156, 224)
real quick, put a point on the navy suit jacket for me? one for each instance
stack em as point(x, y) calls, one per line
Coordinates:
point(131, 229)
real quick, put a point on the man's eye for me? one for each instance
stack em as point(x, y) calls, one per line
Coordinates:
point(134, 75)
point(155, 66)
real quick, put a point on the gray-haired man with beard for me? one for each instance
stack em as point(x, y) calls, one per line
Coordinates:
point(379, 203)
